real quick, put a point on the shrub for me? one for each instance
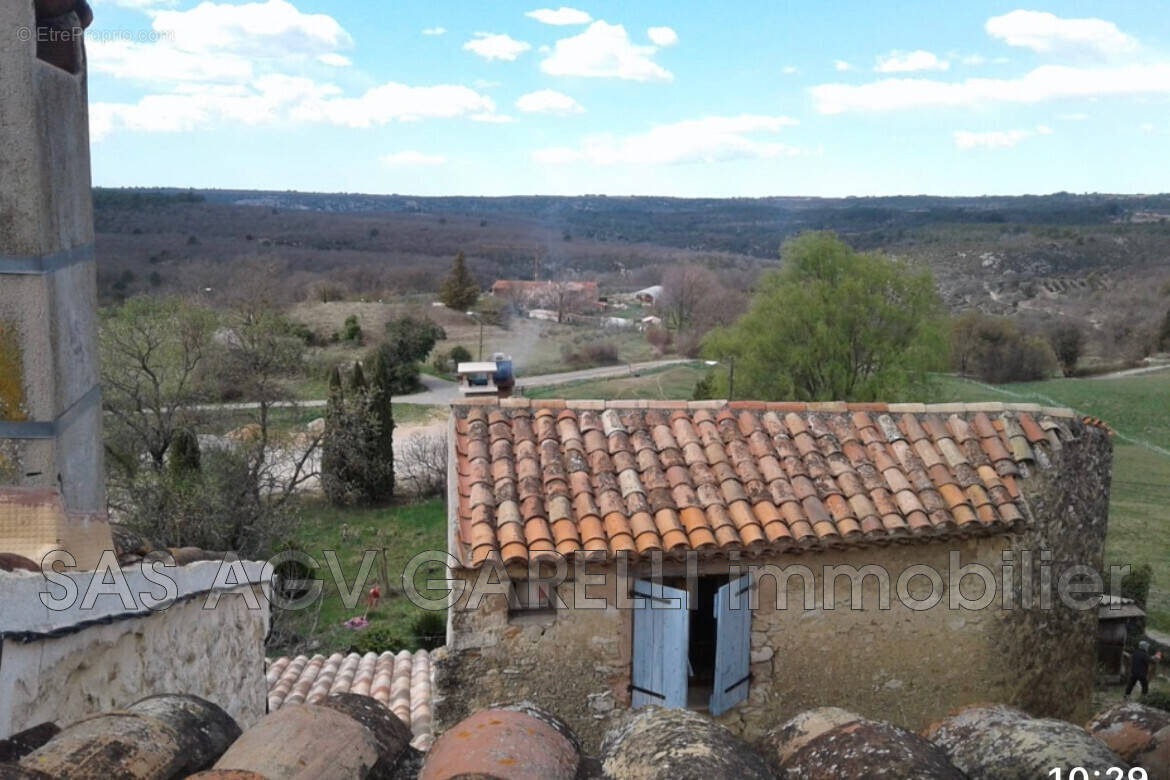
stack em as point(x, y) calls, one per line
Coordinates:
point(459, 354)
point(1159, 699)
point(602, 354)
point(379, 639)
point(429, 629)
point(659, 338)
point(1136, 584)
point(352, 330)
point(996, 350)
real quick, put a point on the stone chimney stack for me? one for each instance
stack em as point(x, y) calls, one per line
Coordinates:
point(52, 478)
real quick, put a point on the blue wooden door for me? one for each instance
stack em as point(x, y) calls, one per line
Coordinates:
point(661, 636)
point(733, 645)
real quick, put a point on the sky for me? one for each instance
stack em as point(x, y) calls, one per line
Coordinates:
point(686, 98)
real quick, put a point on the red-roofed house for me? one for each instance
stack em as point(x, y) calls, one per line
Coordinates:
point(755, 560)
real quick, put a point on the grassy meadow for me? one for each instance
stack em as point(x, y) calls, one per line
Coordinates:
point(398, 533)
point(1138, 408)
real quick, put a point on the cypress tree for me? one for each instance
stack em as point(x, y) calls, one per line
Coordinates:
point(357, 380)
point(382, 411)
point(459, 290)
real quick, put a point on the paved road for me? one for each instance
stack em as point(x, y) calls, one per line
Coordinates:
point(440, 392)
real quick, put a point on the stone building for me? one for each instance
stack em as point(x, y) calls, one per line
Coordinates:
point(819, 548)
point(63, 656)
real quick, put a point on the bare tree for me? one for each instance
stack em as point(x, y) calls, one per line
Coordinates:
point(153, 354)
point(422, 465)
point(258, 353)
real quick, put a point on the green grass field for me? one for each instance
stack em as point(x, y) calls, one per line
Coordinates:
point(1138, 408)
point(398, 532)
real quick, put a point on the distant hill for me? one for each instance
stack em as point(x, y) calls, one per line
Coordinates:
point(1099, 258)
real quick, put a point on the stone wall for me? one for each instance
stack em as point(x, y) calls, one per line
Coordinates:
point(62, 665)
point(909, 666)
point(50, 402)
point(576, 663)
point(1052, 650)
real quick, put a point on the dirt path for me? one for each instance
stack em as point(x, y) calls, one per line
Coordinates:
point(1134, 371)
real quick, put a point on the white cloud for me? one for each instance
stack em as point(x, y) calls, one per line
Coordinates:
point(1074, 117)
point(496, 46)
point(662, 36)
point(250, 64)
point(973, 59)
point(1146, 127)
point(996, 139)
point(548, 101)
point(434, 31)
point(910, 61)
point(486, 83)
point(280, 99)
point(274, 28)
point(394, 102)
point(1044, 32)
point(842, 66)
point(492, 117)
point(707, 140)
point(138, 5)
point(164, 63)
point(790, 70)
point(412, 158)
point(604, 51)
point(560, 16)
point(1049, 82)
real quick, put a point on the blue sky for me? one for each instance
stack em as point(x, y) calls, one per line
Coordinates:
point(655, 98)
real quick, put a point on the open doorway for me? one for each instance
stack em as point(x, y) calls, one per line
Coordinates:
point(703, 633)
point(691, 644)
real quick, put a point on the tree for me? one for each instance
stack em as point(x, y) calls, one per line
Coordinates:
point(459, 354)
point(352, 330)
point(382, 411)
point(685, 291)
point(260, 351)
point(834, 324)
point(408, 342)
point(357, 463)
point(1067, 341)
point(154, 354)
point(996, 350)
point(459, 290)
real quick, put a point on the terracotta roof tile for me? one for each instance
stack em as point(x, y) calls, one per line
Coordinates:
point(626, 478)
point(403, 682)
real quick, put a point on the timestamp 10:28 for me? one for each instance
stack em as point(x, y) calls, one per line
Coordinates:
point(1112, 773)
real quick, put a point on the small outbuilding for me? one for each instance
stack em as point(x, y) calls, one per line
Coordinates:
point(755, 560)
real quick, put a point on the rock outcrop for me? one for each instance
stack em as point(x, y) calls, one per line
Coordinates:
point(1139, 734)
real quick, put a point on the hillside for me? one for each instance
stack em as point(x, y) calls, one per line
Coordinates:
point(1100, 259)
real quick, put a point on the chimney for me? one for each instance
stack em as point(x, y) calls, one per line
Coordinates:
point(52, 492)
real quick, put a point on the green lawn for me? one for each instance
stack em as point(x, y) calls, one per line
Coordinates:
point(1138, 408)
point(670, 383)
point(398, 532)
